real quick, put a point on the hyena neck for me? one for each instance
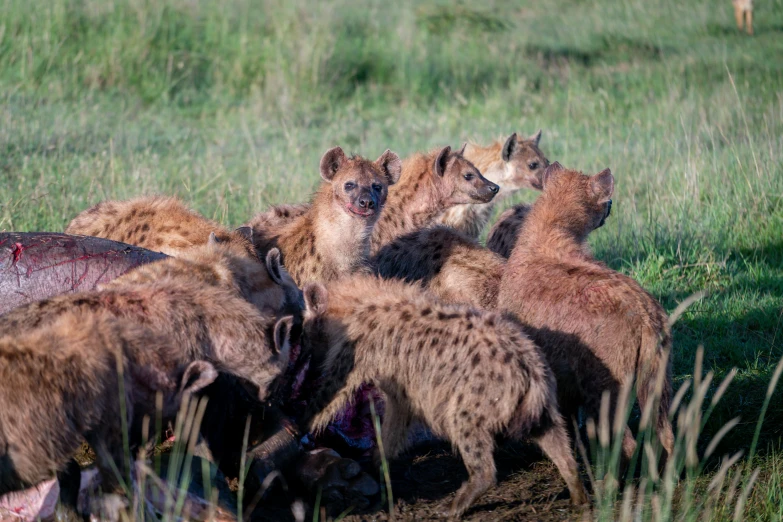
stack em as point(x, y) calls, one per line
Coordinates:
point(469, 219)
point(547, 234)
point(341, 239)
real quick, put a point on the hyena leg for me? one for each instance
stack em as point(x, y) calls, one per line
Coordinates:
point(663, 427)
point(749, 21)
point(396, 424)
point(739, 15)
point(555, 445)
point(476, 451)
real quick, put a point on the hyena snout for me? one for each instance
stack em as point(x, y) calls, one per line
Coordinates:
point(486, 191)
point(366, 201)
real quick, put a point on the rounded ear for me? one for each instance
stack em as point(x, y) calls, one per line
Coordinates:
point(535, 138)
point(330, 163)
point(212, 240)
point(283, 336)
point(315, 297)
point(509, 147)
point(442, 160)
point(198, 375)
point(603, 185)
point(391, 165)
point(246, 232)
point(551, 171)
point(274, 265)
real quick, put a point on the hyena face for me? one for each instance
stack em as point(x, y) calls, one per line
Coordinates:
point(524, 163)
point(588, 197)
point(360, 186)
point(462, 181)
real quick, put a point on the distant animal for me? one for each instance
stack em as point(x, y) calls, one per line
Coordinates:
point(743, 13)
point(514, 164)
point(598, 328)
point(469, 375)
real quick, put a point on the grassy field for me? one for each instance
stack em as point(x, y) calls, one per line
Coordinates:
point(231, 104)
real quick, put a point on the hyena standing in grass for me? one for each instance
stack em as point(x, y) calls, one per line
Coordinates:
point(332, 238)
point(451, 265)
point(743, 13)
point(79, 377)
point(159, 223)
point(470, 375)
point(514, 164)
point(598, 328)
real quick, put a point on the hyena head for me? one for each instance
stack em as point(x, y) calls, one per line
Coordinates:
point(267, 287)
point(241, 241)
point(279, 357)
point(523, 163)
point(584, 201)
point(460, 181)
point(359, 186)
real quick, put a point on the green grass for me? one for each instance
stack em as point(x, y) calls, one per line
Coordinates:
point(230, 105)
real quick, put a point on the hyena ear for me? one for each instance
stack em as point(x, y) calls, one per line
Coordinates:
point(198, 375)
point(212, 240)
point(274, 265)
point(442, 160)
point(246, 232)
point(535, 138)
point(509, 147)
point(315, 297)
point(391, 165)
point(603, 185)
point(330, 163)
point(462, 149)
point(283, 336)
point(550, 173)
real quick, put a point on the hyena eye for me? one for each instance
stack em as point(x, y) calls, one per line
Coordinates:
point(350, 185)
point(377, 187)
point(533, 166)
point(468, 177)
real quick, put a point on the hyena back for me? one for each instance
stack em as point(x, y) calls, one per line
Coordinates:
point(470, 375)
point(504, 233)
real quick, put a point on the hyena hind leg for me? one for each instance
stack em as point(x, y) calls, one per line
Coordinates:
point(556, 446)
point(477, 455)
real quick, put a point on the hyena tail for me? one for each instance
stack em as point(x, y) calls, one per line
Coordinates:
point(654, 381)
point(537, 409)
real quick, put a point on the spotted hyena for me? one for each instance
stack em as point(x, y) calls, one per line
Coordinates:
point(504, 233)
point(514, 164)
point(598, 328)
point(159, 223)
point(470, 375)
point(85, 376)
point(451, 265)
point(332, 238)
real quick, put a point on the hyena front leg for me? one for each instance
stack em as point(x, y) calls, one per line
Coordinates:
point(396, 425)
point(476, 450)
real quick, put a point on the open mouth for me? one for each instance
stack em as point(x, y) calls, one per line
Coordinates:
point(359, 211)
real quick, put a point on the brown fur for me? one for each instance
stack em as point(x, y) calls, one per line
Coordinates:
point(206, 321)
point(598, 328)
point(332, 238)
point(159, 223)
point(446, 262)
point(430, 184)
point(514, 164)
point(504, 233)
point(743, 13)
point(266, 225)
point(468, 374)
point(61, 383)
